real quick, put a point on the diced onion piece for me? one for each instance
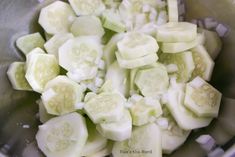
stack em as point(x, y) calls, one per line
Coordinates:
point(210, 23)
point(206, 142)
point(218, 152)
point(221, 30)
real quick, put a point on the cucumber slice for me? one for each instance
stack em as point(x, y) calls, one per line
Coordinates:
point(184, 117)
point(176, 32)
point(105, 107)
point(87, 7)
point(111, 47)
point(135, 45)
point(204, 65)
point(119, 78)
point(80, 56)
point(184, 62)
point(41, 68)
point(145, 141)
point(172, 135)
point(95, 141)
point(138, 62)
point(112, 21)
point(63, 136)
point(117, 131)
point(202, 98)
point(104, 152)
point(52, 46)
point(61, 95)
point(56, 17)
point(213, 43)
point(16, 75)
point(172, 6)
point(28, 42)
point(43, 115)
point(87, 25)
point(145, 109)
point(180, 46)
point(152, 81)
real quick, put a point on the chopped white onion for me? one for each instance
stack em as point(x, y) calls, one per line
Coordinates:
point(206, 142)
point(79, 105)
point(146, 8)
point(162, 122)
point(135, 98)
point(98, 82)
point(150, 101)
point(48, 94)
point(128, 104)
point(140, 20)
point(218, 152)
point(172, 68)
point(221, 30)
point(92, 87)
point(210, 23)
point(164, 98)
point(197, 82)
point(101, 65)
point(162, 18)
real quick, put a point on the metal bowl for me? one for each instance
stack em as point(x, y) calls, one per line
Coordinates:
point(18, 109)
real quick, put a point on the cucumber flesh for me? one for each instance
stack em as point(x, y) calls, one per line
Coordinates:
point(202, 99)
point(16, 75)
point(145, 141)
point(117, 131)
point(87, 25)
point(29, 42)
point(63, 136)
point(172, 6)
point(104, 152)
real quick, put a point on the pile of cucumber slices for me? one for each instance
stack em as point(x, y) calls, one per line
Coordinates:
point(117, 77)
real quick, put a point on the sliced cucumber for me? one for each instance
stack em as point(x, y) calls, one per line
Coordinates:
point(41, 68)
point(63, 136)
point(145, 109)
point(112, 21)
point(87, 7)
point(105, 107)
point(172, 135)
point(87, 25)
point(43, 114)
point(135, 45)
point(184, 117)
point(52, 46)
point(28, 42)
point(117, 131)
point(89, 96)
point(95, 141)
point(184, 62)
point(172, 6)
point(152, 81)
point(145, 141)
point(180, 46)
point(202, 99)
point(138, 62)
point(61, 95)
point(204, 65)
point(213, 43)
point(176, 32)
point(119, 78)
point(56, 17)
point(16, 75)
point(111, 47)
point(80, 56)
point(104, 152)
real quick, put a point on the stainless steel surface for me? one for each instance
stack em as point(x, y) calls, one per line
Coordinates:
point(18, 108)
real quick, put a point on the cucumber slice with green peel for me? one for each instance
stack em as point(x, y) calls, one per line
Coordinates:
point(117, 131)
point(87, 7)
point(28, 42)
point(152, 81)
point(138, 62)
point(87, 25)
point(145, 141)
point(63, 136)
point(95, 141)
point(176, 32)
point(184, 62)
point(56, 17)
point(172, 135)
point(186, 119)
point(135, 45)
point(145, 109)
point(61, 95)
point(80, 56)
point(213, 43)
point(202, 99)
point(204, 65)
point(44, 116)
point(52, 46)
point(16, 75)
point(119, 78)
point(181, 46)
point(172, 6)
point(41, 68)
point(112, 21)
point(104, 152)
point(111, 47)
point(105, 107)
